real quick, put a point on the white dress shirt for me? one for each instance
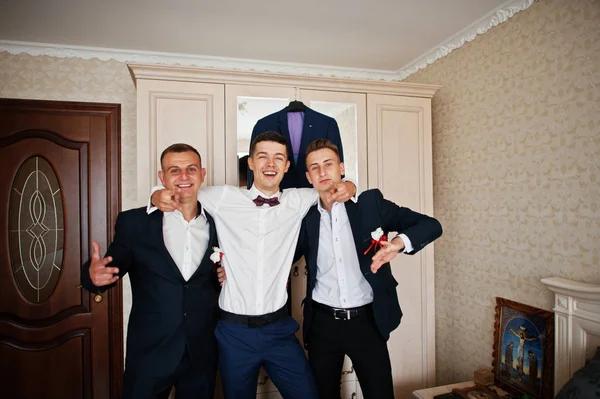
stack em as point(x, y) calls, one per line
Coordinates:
point(186, 241)
point(258, 244)
point(340, 282)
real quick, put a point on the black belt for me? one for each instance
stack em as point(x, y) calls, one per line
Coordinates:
point(253, 321)
point(342, 314)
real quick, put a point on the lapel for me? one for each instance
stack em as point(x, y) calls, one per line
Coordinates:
point(354, 217)
point(285, 131)
point(156, 222)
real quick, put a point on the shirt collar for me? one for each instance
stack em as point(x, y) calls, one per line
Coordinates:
point(323, 210)
point(178, 213)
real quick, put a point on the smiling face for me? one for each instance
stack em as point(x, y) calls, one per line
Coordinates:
point(323, 168)
point(182, 171)
point(269, 163)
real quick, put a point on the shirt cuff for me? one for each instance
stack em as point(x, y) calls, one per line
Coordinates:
point(408, 248)
point(151, 208)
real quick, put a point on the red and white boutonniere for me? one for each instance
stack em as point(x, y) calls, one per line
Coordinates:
point(216, 256)
point(377, 237)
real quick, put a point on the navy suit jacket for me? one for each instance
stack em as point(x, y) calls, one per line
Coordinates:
point(168, 314)
point(316, 126)
point(366, 215)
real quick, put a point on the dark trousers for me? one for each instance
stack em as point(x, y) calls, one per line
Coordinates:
point(330, 339)
point(190, 382)
point(243, 350)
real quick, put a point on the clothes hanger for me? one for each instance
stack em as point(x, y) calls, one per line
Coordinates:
point(296, 106)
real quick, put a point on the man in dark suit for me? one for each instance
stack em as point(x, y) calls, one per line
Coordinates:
point(300, 126)
point(170, 337)
point(351, 304)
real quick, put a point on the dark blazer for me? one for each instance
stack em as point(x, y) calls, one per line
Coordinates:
point(316, 126)
point(370, 212)
point(168, 314)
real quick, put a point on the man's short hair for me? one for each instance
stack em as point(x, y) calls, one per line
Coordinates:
point(267, 136)
point(178, 148)
point(321, 144)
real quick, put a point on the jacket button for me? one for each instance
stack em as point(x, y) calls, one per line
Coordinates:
point(185, 314)
point(185, 286)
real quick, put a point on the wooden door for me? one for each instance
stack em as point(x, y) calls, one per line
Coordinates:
point(59, 187)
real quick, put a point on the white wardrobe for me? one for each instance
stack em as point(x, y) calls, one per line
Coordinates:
point(386, 134)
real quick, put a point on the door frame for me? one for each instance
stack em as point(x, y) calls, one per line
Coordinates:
point(112, 116)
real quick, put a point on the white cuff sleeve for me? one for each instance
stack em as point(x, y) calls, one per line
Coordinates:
point(151, 208)
point(407, 244)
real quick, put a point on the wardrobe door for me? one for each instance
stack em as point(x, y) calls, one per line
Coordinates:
point(245, 105)
point(179, 112)
point(400, 164)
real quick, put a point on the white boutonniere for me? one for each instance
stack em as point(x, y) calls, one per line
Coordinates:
point(377, 234)
point(377, 237)
point(216, 256)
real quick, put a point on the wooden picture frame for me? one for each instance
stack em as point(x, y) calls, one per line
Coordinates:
point(523, 338)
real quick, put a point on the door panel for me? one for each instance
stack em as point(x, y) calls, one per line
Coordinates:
point(60, 186)
point(400, 165)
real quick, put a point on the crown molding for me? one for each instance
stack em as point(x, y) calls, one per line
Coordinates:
point(479, 27)
point(213, 75)
point(187, 60)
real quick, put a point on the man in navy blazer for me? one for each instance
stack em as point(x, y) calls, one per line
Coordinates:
point(351, 304)
point(170, 335)
point(314, 126)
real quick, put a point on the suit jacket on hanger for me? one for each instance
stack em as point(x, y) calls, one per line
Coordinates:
point(168, 313)
point(366, 215)
point(316, 126)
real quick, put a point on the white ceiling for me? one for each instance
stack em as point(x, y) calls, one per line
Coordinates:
point(366, 34)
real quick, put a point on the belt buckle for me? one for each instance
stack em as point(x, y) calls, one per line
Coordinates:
point(257, 321)
point(343, 312)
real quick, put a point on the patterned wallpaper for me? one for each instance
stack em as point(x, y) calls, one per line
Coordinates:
point(516, 149)
point(68, 79)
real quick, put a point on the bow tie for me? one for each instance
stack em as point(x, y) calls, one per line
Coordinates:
point(259, 201)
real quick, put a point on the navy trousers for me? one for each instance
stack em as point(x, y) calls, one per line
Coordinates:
point(190, 382)
point(243, 350)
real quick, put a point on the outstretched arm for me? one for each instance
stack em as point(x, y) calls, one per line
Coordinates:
point(99, 274)
point(415, 230)
point(419, 228)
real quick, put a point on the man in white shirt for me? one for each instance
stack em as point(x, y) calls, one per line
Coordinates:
point(351, 304)
point(170, 335)
point(258, 231)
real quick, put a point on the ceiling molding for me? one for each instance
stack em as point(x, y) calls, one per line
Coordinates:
point(213, 75)
point(496, 17)
point(147, 57)
point(479, 27)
